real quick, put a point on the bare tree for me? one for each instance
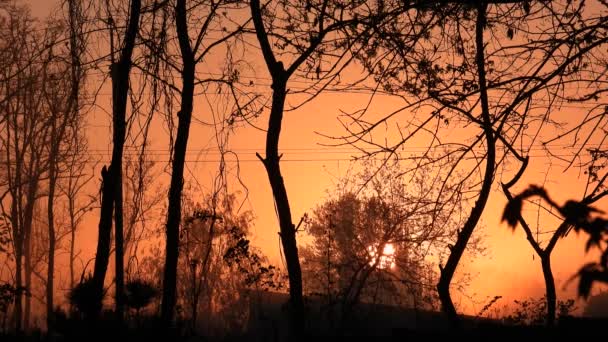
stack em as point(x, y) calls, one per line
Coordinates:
point(491, 83)
point(142, 197)
point(64, 79)
point(24, 136)
point(577, 215)
point(111, 201)
point(374, 239)
point(192, 51)
point(302, 39)
point(77, 179)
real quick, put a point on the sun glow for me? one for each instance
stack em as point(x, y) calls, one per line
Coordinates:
point(387, 258)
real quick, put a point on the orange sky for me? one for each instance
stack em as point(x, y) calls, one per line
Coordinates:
point(510, 268)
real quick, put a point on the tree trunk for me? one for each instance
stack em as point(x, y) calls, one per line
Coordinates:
point(447, 272)
point(177, 174)
point(119, 244)
point(51, 230)
point(17, 228)
point(112, 179)
point(75, 17)
point(103, 240)
point(18, 243)
point(27, 253)
point(72, 240)
point(545, 260)
point(287, 228)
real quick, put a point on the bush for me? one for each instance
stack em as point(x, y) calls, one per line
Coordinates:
point(139, 294)
point(533, 311)
point(84, 298)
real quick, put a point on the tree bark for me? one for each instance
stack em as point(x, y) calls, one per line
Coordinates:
point(447, 272)
point(177, 174)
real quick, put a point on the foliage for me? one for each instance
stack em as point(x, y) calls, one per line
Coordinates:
point(139, 293)
point(382, 205)
point(219, 266)
point(250, 264)
point(85, 298)
point(7, 296)
point(578, 214)
point(488, 305)
point(5, 234)
point(533, 311)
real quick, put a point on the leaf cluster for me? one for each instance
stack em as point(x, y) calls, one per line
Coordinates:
point(579, 215)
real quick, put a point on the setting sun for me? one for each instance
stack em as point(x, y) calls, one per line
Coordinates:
point(387, 259)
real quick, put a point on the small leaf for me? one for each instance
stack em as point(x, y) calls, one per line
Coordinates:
point(512, 212)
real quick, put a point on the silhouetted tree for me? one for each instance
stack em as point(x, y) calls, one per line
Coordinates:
point(295, 37)
point(579, 216)
point(193, 49)
point(75, 160)
point(25, 136)
point(64, 76)
point(77, 178)
point(369, 213)
point(219, 265)
point(596, 187)
point(111, 187)
point(463, 68)
point(143, 194)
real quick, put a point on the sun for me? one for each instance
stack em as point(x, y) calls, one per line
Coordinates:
point(387, 259)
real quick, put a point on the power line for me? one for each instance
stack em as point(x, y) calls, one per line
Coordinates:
point(131, 150)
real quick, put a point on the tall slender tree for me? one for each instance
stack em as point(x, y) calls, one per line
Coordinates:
point(192, 51)
point(25, 134)
point(322, 22)
point(111, 189)
point(466, 75)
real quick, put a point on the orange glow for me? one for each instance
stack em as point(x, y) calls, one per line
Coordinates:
point(509, 267)
point(387, 259)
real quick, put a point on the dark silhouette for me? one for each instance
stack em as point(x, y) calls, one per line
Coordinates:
point(578, 215)
point(513, 210)
point(85, 298)
point(448, 270)
point(24, 138)
point(280, 77)
point(419, 66)
point(139, 294)
point(174, 212)
point(64, 117)
point(325, 22)
point(111, 199)
point(372, 260)
point(190, 54)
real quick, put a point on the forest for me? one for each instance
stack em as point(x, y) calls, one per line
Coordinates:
point(162, 162)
